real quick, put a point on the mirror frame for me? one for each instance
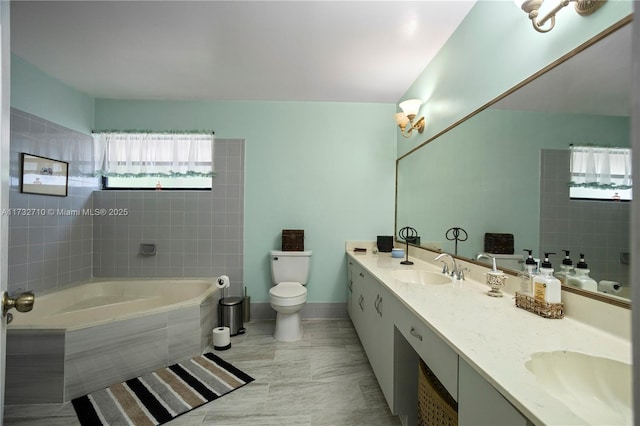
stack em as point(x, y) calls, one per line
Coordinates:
point(602, 297)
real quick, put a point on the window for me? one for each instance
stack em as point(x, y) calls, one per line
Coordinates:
point(600, 173)
point(155, 160)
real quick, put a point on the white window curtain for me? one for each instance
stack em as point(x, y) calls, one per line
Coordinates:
point(600, 167)
point(139, 154)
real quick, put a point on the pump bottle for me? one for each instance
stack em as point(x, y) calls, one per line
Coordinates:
point(530, 270)
point(581, 278)
point(566, 269)
point(546, 287)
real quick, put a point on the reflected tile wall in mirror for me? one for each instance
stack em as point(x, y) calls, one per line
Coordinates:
point(602, 226)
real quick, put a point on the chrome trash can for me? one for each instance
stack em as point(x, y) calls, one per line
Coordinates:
point(230, 314)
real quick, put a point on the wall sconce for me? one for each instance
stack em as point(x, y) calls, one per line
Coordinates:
point(410, 109)
point(583, 7)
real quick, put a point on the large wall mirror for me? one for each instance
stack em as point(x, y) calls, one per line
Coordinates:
point(505, 168)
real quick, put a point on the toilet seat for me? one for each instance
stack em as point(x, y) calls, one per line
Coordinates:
point(288, 294)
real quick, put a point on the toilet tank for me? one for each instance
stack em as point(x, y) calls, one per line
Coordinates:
point(290, 266)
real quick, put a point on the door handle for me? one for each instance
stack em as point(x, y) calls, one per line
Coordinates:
point(22, 302)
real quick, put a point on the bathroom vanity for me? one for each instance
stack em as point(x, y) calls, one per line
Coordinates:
point(477, 346)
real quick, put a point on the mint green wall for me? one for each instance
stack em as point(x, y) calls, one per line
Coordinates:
point(327, 168)
point(491, 181)
point(493, 49)
point(39, 94)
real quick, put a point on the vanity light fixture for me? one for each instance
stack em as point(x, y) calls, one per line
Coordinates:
point(583, 7)
point(410, 109)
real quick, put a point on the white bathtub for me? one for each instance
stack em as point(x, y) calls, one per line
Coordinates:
point(84, 338)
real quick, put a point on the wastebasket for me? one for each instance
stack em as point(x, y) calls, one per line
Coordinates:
point(230, 314)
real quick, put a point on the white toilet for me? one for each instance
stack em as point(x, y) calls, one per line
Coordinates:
point(289, 272)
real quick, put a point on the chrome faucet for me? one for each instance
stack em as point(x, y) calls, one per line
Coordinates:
point(445, 267)
point(494, 268)
point(457, 273)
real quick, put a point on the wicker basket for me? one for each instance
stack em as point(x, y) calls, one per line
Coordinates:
point(543, 309)
point(436, 407)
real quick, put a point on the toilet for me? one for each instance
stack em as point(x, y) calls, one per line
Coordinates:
point(289, 272)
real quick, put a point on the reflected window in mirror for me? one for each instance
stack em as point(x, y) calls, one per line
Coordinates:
point(600, 173)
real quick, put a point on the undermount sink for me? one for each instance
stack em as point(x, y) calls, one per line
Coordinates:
point(596, 389)
point(417, 276)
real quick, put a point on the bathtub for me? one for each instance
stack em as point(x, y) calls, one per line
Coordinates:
point(90, 336)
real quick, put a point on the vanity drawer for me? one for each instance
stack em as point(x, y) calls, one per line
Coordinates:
point(440, 358)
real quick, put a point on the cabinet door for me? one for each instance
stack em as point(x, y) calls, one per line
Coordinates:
point(372, 308)
point(480, 404)
point(349, 285)
point(360, 300)
point(385, 309)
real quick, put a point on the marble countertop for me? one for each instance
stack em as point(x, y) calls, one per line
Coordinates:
point(494, 336)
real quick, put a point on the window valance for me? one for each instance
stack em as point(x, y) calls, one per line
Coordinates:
point(600, 167)
point(159, 154)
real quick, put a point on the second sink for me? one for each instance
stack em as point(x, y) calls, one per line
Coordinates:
point(417, 276)
point(597, 389)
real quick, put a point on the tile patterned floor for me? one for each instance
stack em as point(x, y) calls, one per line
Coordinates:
point(324, 379)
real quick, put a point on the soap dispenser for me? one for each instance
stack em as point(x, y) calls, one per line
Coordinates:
point(495, 277)
point(495, 280)
point(530, 270)
point(581, 278)
point(546, 287)
point(566, 269)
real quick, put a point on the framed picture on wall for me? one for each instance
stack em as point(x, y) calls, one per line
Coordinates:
point(45, 176)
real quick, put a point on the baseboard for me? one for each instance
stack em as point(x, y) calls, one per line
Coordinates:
point(264, 311)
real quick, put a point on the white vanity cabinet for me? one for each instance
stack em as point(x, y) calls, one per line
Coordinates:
point(480, 404)
point(372, 311)
point(395, 337)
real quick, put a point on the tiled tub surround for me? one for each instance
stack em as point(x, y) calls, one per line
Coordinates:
point(197, 233)
point(493, 336)
point(90, 336)
point(51, 251)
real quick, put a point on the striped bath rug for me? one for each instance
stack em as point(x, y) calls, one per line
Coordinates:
point(157, 397)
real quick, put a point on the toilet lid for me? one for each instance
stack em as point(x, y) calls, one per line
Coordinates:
point(288, 289)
